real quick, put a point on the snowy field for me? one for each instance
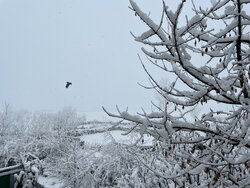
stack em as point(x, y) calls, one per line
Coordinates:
point(103, 138)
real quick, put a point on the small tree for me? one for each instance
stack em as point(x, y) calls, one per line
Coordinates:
point(6, 119)
point(211, 69)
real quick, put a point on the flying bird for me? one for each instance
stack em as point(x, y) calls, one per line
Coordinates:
point(68, 84)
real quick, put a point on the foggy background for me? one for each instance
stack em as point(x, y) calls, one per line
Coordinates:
point(44, 43)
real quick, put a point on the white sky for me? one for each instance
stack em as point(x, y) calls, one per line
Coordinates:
point(44, 43)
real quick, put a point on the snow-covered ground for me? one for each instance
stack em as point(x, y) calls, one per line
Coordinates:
point(118, 136)
point(50, 182)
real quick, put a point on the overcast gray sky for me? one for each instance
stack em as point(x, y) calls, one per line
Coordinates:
point(44, 43)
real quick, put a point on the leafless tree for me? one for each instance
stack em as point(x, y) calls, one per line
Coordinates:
point(208, 55)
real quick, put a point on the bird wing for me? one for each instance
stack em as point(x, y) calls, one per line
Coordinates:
point(68, 84)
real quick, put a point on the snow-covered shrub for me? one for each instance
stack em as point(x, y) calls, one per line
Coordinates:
point(72, 164)
point(36, 133)
point(109, 165)
point(64, 124)
point(27, 178)
point(67, 118)
point(6, 119)
point(122, 165)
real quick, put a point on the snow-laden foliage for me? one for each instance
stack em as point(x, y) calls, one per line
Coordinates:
point(111, 165)
point(50, 145)
point(27, 178)
point(37, 133)
point(206, 56)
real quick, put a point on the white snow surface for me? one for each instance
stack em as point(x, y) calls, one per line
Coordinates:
point(50, 182)
point(103, 138)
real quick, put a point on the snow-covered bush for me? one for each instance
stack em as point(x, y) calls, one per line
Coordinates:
point(36, 133)
point(6, 119)
point(27, 178)
point(109, 165)
point(122, 165)
point(67, 118)
point(23, 137)
point(72, 164)
point(205, 56)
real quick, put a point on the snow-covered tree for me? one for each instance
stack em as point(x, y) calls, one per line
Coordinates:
point(206, 57)
point(6, 119)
